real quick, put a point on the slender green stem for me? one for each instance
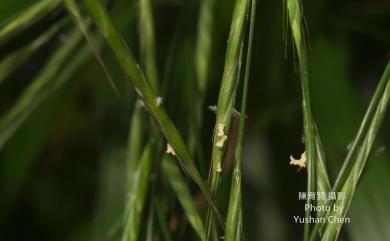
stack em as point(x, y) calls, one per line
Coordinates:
point(147, 42)
point(226, 97)
point(295, 16)
point(234, 218)
point(74, 11)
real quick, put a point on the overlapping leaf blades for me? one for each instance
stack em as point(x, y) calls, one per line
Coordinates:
point(359, 152)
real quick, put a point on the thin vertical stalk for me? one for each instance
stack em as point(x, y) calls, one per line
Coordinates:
point(147, 42)
point(203, 43)
point(234, 218)
point(226, 97)
point(295, 17)
point(75, 12)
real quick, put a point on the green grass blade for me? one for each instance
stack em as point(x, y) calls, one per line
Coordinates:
point(234, 219)
point(227, 90)
point(226, 98)
point(322, 178)
point(15, 59)
point(161, 220)
point(203, 43)
point(75, 12)
point(39, 89)
point(183, 193)
point(358, 142)
point(150, 229)
point(137, 194)
point(348, 162)
point(147, 42)
point(332, 230)
point(147, 94)
point(27, 17)
point(135, 140)
point(202, 62)
point(295, 17)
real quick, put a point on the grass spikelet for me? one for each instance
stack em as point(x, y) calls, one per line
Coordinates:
point(234, 215)
point(294, 15)
point(226, 98)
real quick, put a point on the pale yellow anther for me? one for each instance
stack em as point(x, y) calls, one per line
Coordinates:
point(170, 150)
point(301, 163)
point(221, 135)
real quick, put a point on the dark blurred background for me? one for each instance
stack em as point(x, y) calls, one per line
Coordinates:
point(62, 173)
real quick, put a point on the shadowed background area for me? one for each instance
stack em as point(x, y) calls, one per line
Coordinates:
point(62, 168)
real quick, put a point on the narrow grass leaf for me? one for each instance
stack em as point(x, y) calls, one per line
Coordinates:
point(147, 42)
point(15, 59)
point(322, 179)
point(137, 194)
point(183, 194)
point(359, 141)
point(295, 16)
point(226, 98)
point(40, 88)
point(75, 12)
point(166, 236)
point(203, 60)
point(203, 43)
point(150, 224)
point(135, 140)
point(332, 230)
point(26, 18)
point(234, 215)
point(227, 90)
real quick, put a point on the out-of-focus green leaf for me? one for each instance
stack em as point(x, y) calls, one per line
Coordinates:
point(39, 89)
point(147, 42)
point(26, 18)
point(73, 9)
point(137, 194)
point(183, 194)
point(379, 103)
point(15, 59)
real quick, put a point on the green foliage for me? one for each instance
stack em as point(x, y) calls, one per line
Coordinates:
point(173, 56)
